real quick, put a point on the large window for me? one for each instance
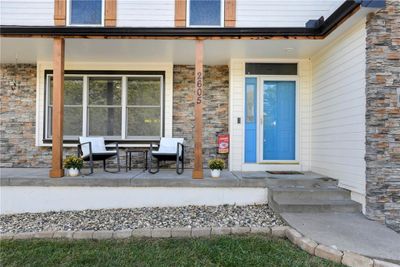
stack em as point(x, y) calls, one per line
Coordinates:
point(85, 12)
point(143, 106)
point(105, 106)
point(205, 13)
point(118, 107)
point(73, 105)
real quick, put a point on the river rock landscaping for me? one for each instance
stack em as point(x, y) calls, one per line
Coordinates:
point(120, 219)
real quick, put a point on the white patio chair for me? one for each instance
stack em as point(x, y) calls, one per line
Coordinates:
point(94, 149)
point(171, 149)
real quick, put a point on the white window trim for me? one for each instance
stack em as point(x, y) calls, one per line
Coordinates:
point(222, 20)
point(124, 105)
point(166, 67)
point(85, 25)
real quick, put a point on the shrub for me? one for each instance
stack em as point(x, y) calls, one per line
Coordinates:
point(216, 164)
point(72, 162)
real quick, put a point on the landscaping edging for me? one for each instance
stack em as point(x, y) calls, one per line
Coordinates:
point(310, 246)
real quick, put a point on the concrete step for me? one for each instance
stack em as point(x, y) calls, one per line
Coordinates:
point(293, 195)
point(324, 182)
point(312, 205)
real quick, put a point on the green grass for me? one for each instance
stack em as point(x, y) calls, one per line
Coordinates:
point(222, 251)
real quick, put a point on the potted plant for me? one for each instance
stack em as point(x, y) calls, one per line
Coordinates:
point(216, 166)
point(73, 164)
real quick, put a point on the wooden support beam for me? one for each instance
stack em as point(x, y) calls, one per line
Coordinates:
point(198, 112)
point(58, 109)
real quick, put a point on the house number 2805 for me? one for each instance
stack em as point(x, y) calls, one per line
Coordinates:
point(199, 87)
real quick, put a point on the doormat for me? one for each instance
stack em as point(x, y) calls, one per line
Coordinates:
point(285, 172)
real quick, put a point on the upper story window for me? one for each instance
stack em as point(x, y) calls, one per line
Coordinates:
point(85, 12)
point(205, 13)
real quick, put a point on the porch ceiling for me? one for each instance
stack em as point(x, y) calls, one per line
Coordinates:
point(216, 52)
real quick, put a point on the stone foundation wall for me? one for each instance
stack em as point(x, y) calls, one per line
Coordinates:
point(383, 116)
point(18, 114)
point(215, 109)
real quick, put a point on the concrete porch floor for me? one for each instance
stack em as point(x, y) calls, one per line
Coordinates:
point(139, 178)
point(132, 178)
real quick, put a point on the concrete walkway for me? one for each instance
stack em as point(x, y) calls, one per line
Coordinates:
point(348, 231)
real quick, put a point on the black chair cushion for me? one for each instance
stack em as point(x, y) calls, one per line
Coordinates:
point(100, 156)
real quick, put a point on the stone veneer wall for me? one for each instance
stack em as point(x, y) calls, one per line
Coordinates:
point(17, 118)
point(383, 116)
point(215, 108)
point(18, 114)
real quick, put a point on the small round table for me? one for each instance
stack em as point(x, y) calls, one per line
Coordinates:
point(128, 154)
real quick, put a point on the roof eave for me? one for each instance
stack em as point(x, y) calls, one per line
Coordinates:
point(347, 9)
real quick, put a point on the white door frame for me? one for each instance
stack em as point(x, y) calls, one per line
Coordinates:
point(260, 110)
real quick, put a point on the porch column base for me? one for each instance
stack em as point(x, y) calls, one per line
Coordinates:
point(56, 173)
point(197, 174)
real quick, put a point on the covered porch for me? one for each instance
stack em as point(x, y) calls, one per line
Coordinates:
point(321, 62)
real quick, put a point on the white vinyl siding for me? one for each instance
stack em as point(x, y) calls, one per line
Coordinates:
point(161, 13)
point(304, 68)
point(338, 110)
point(27, 12)
point(236, 108)
point(283, 13)
point(145, 13)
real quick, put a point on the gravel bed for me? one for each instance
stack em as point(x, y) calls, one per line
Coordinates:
point(118, 219)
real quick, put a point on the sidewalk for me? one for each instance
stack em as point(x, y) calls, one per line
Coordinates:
point(348, 231)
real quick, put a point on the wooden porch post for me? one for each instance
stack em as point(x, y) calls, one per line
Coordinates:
point(198, 113)
point(58, 108)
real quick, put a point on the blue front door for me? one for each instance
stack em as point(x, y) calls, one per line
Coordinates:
point(279, 112)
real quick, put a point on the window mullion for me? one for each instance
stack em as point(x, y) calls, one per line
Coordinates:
point(161, 105)
point(85, 106)
point(124, 107)
point(48, 124)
